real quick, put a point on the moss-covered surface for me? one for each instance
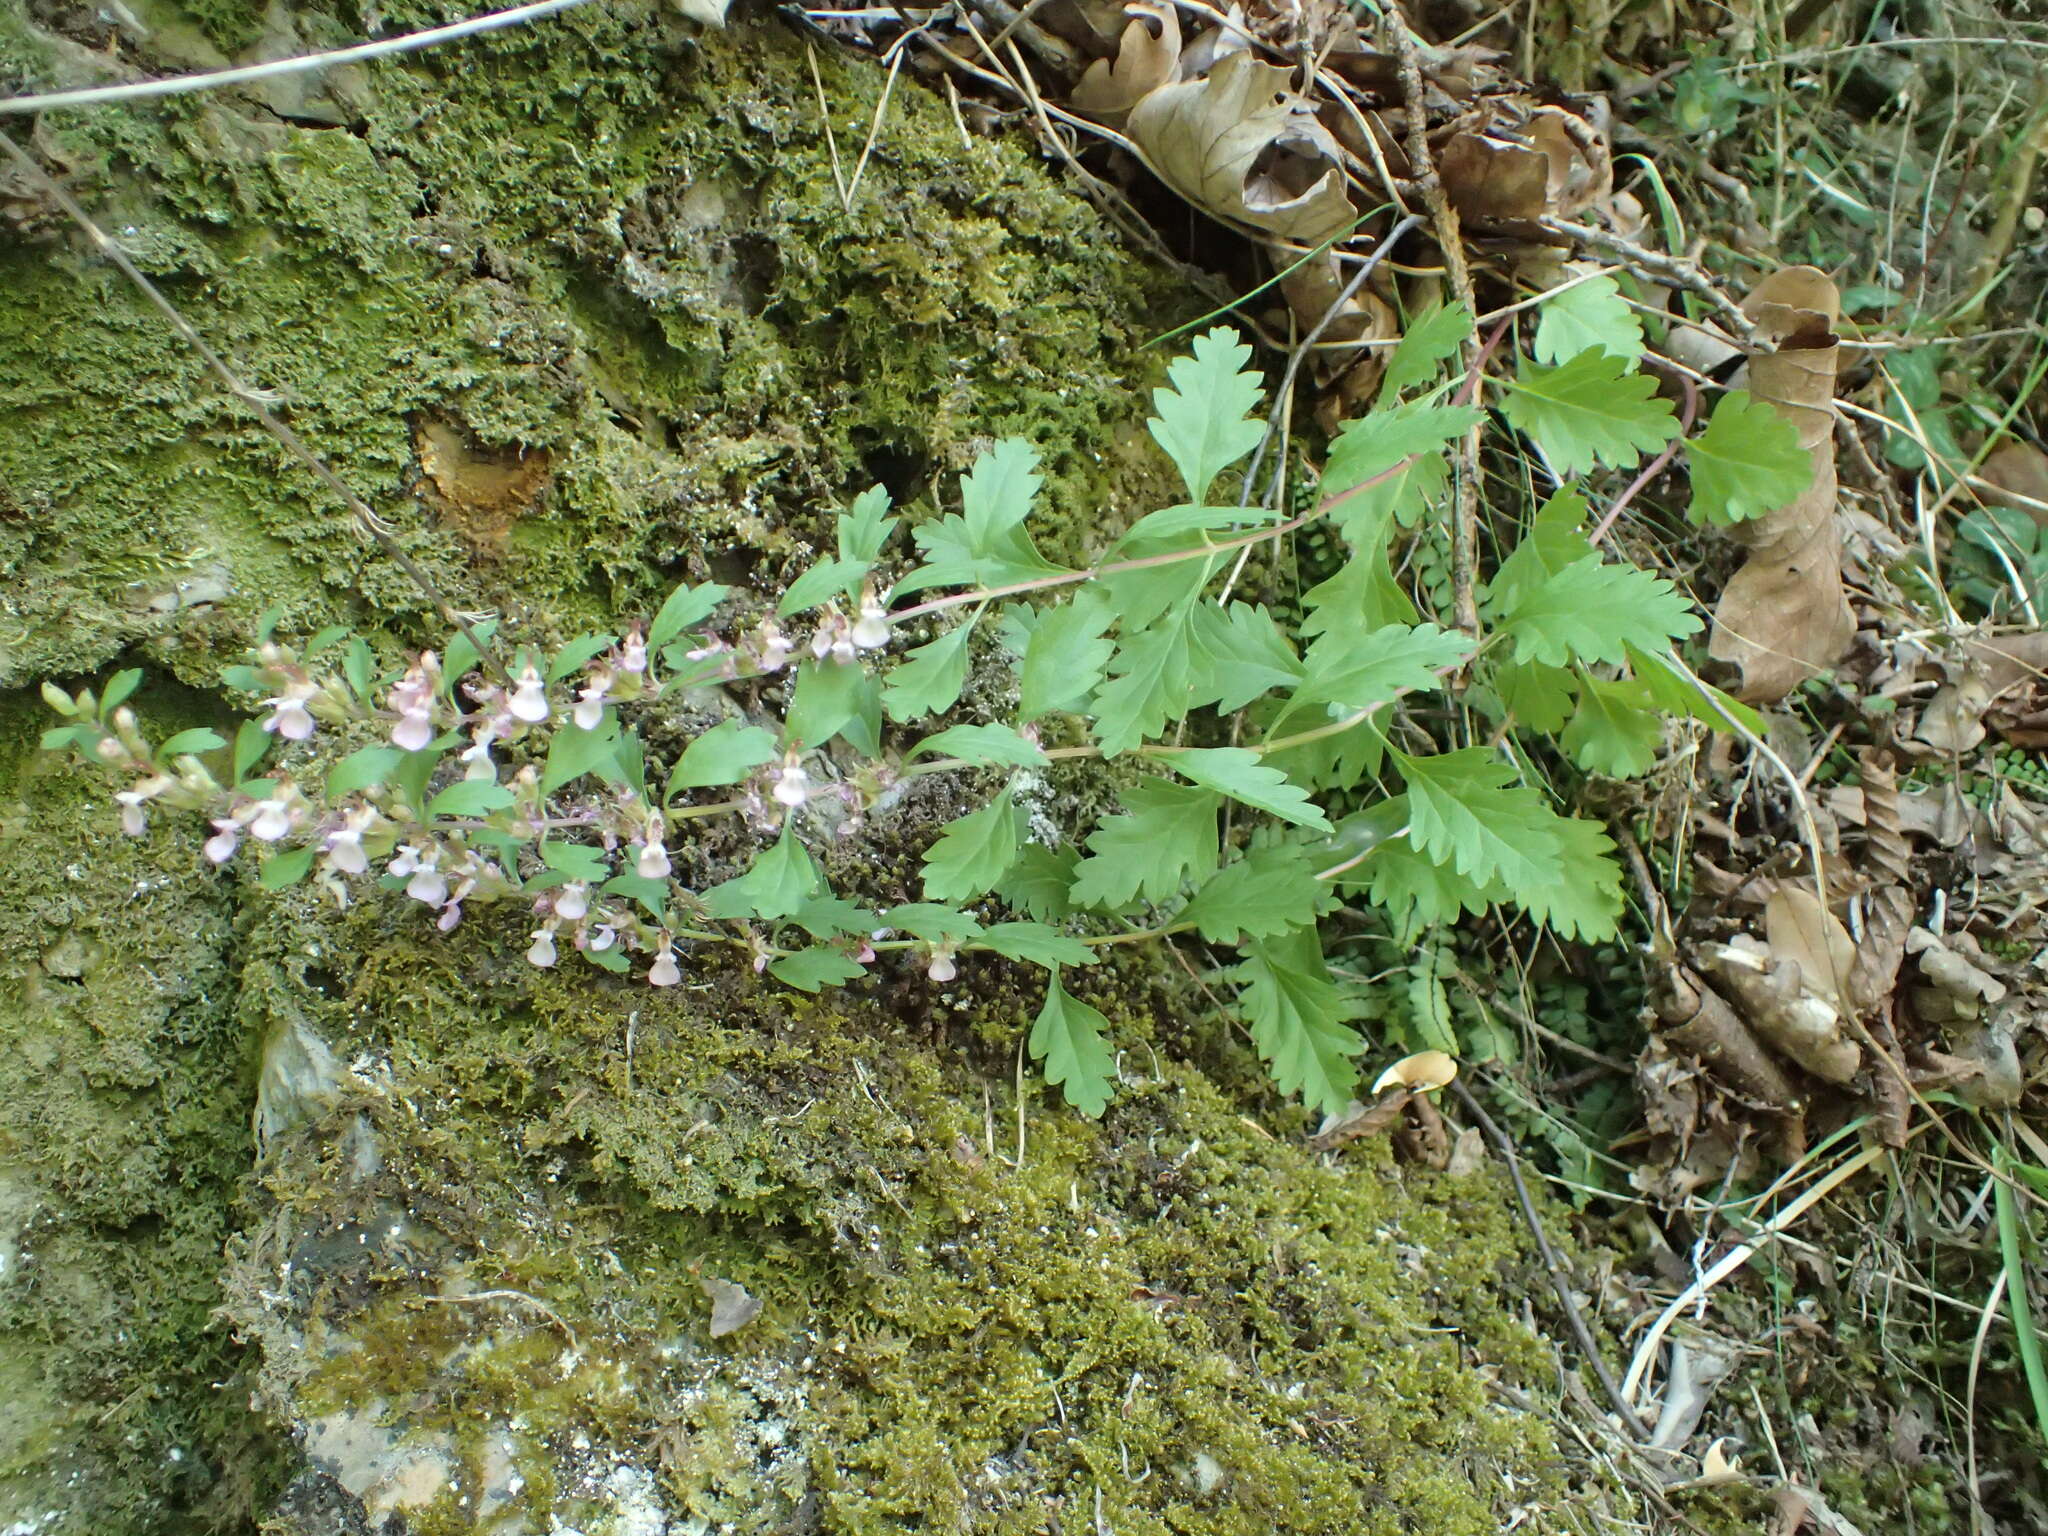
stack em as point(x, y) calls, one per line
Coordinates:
point(1176, 1310)
point(579, 309)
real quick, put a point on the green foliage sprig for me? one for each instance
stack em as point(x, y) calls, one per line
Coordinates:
point(1267, 772)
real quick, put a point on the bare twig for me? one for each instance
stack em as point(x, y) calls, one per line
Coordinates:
point(367, 522)
point(178, 85)
point(1665, 269)
point(1629, 1418)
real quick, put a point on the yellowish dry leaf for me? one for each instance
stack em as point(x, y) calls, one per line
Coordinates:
point(1146, 59)
point(1424, 1072)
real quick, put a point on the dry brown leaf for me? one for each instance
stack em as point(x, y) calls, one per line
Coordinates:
point(1771, 992)
point(1243, 146)
point(1146, 59)
point(1798, 928)
point(1784, 616)
point(1495, 180)
point(2020, 470)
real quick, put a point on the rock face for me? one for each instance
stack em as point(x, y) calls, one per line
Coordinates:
point(323, 1222)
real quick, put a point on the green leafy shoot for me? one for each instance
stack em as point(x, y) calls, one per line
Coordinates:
point(984, 543)
point(1746, 463)
point(725, 754)
point(1298, 1019)
point(780, 881)
point(864, 528)
point(1166, 835)
point(687, 605)
point(1202, 422)
point(1065, 657)
point(1238, 773)
point(928, 680)
point(1430, 341)
point(1590, 315)
point(1592, 611)
point(815, 968)
point(974, 851)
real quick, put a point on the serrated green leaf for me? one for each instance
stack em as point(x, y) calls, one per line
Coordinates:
point(285, 869)
point(573, 656)
point(1592, 611)
point(1069, 1043)
point(1416, 891)
point(1169, 522)
point(1587, 316)
point(723, 755)
point(865, 526)
point(814, 969)
point(830, 696)
point(1236, 656)
point(573, 752)
point(1266, 893)
point(1037, 944)
point(1552, 543)
point(685, 606)
point(189, 743)
point(780, 881)
point(1465, 810)
point(1584, 902)
point(1432, 339)
point(829, 916)
point(363, 769)
point(1166, 835)
point(1297, 1018)
point(1539, 697)
point(1428, 1007)
point(1238, 773)
point(974, 851)
point(612, 959)
point(1748, 462)
point(1152, 685)
point(930, 921)
point(1591, 410)
point(578, 861)
point(1367, 515)
point(1614, 731)
point(1002, 744)
point(1356, 669)
point(652, 894)
point(1038, 883)
point(1202, 421)
point(1362, 595)
point(984, 544)
point(928, 680)
point(1340, 760)
point(1065, 657)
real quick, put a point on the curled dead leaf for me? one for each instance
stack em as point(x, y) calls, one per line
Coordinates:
point(733, 1306)
point(1147, 57)
point(1240, 144)
point(1773, 996)
point(1784, 616)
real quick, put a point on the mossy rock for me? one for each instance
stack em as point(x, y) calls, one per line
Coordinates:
point(320, 1221)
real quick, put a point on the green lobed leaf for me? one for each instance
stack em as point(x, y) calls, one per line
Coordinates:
point(1416, 891)
point(984, 544)
point(1202, 421)
point(1238, 773)
point(612, 959)
point(1539, 697)
point(928, 680)
point(1166, 835)
point(1152, 685)
point(578, 861)
point(1591, 315)
point(974, 851)
point(1590, 410)
point(1037, 944)
point(1376, 442)
point(1003, 744)
point(780, 881)
point(1552, 543)
point(1297, 1017)
point(828, 916)
point(1584, 902)
point(1039, 882)
point(1362, 595)
point(651, 894)
point(460, 656)
point(831, 697)
point(1066, 657)
point(1431, 340)
point(1674, 689)
point(1237, 655)
point(814, 969)
point(1268, 892)
point(363, 769)
point(1465, 810)
point(1614, 731)
point(685, 606)
point(1592, 611)
point(865, 526)
point(1355, 669)
point(723, 755)
point(1746, 463)
point(1068, 1042)
point(823, 581)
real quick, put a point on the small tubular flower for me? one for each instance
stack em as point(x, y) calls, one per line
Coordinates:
point(590, 700)
point(792, 784)
point(572, 901)
point(542, 951)
point(227, 837)
point(664, 972)
point(529, 700)
point(288, 716)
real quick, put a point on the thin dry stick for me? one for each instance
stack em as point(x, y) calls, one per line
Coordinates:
point(367, 522)
point(1450, 238)
point(1629, 1418)
point(1666, 269)
point(143, 90)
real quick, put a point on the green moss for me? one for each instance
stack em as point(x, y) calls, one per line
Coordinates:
point(124, 1094)
point(605, 240)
